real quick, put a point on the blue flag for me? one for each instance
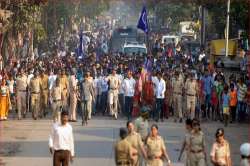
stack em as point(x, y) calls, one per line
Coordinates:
point(143, 20)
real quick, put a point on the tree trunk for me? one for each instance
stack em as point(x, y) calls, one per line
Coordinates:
point(248, 25)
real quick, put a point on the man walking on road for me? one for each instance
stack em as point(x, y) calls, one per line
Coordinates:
point(114, 84)
point(129, 90)
point(61, 142)
point(21, 90)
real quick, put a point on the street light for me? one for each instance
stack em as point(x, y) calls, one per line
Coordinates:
point(227, 26)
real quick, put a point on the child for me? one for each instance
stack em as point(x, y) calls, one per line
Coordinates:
point(233, 102)
point(225, 105)
point(214, 102)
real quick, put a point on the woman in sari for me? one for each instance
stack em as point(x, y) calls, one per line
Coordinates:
point(137, 96)
point(4, 100)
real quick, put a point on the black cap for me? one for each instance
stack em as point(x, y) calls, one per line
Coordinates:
point(219, 132)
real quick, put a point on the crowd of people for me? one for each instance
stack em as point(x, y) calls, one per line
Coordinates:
point(167, 82)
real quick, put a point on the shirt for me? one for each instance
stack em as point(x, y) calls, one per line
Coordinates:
point(242, 90)
point(52, 80)
point(160, 87)
point(129, 87)
point(233, 98)
point(208, 83)
point(225, 100)
point(220, 152)
point(61, 138)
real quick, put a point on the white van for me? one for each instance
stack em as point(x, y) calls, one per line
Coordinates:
point(169, 39)
point(131, 48)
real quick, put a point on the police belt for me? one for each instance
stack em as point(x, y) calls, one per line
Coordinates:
point(123, 162)
point(154, 157)
point(177, 93)
point(196, 151)
point(22, 90)
point(35, 92)
point(190, 95)
point(57, 100)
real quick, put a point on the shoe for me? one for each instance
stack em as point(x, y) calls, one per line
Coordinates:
point(175, 120)
point(180, 120)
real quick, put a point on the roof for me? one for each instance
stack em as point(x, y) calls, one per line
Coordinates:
point(134, 44)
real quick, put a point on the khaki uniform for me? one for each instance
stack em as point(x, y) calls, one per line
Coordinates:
point(21, 91)
point(72, 97)
point(44, 93)
point(191, 92)
point(114, 83)
point(64, 83)
point(177, 87)
point(135, 141)
point(155, 147)
point(187, 141)
point(221, 152)
point(56, 96)
point(35, 91)
point(196, 150)
point(122, 153)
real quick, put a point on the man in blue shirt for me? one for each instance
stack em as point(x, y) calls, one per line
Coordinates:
point(208, 84)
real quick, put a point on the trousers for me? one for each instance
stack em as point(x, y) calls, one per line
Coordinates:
point(35, 105)
point(177, 106)
point(61, 158)
point(129, 106)
point(21, 103)
point(72, 106)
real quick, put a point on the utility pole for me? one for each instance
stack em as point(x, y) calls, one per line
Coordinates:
point(203, 26)
point(227, 26)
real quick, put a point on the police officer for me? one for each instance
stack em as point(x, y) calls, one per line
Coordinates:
point(35, 90)
point(191, 91)
point(56, 97)
point(72, 96)
point(141, 123)
point(220, 152)
point(135, 141)
point(156, 149)
point(123, 150)
point(21, 90)
point(64, 83)
point(186, 142)
point(178, 91)
point(44, 92)
point(197, 152)
point(114, 83)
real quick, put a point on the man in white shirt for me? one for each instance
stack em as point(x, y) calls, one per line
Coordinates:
point(160, 88)
point(129, 90)
point(104, 95)
point(61, 142)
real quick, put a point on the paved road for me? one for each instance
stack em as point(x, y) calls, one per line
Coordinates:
point(26, 142)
